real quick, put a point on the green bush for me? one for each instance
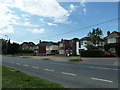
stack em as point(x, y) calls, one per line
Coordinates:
point(91, 53)
point(77, 59)
point(46, 59)
point(113, 45)
point(25, 51)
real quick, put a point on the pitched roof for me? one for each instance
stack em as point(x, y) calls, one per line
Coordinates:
point(113, 33)
point(45, 43)
point(28, 43)
point(85, 38)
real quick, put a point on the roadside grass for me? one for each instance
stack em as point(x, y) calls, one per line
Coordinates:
point(46, 59)
point(26, 56)
point(76, 60)
point(12, 78)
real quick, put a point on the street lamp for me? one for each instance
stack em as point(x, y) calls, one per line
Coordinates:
point(6, 44)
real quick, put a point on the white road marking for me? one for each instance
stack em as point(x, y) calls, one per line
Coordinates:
point(35, 67)
point(102, 80)
point(103, 68)
point(17, 63)
point(49, 70)
point(69, 73)
point(25, 65)
point(11, 62)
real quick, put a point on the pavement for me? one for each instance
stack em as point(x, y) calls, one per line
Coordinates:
point(68, 74)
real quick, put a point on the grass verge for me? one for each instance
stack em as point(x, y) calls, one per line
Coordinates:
point(76, 60)
point(12, 78)
point(46, 59)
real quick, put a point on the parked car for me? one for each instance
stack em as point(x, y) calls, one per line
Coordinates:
point(107, 54)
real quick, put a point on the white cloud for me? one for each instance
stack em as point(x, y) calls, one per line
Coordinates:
point(85, 10)
point(8, 29)
point(72, 7)
point(12, 40)
point(25, 17)
point(7, 19)
point(52, 24)
point(82, 2)
point(45, 8)
point(36, 30)
point(28, 24)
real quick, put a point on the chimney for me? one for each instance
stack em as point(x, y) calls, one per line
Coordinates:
point(39, 41)
point(108, 33)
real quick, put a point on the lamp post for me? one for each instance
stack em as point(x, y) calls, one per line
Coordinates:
point(6, 44)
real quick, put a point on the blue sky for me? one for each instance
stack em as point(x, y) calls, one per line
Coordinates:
point(28, 20)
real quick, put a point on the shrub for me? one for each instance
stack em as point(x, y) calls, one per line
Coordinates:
point(77, 59)
point(46, 59)
point(113, 45)
point(91, 53)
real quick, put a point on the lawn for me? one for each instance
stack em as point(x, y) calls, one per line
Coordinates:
point(15, 79)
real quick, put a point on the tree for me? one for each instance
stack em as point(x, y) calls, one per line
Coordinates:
point(95, 36)
point(10, 48)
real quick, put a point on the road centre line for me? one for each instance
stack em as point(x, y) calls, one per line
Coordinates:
point(18, 64)
point(11, 62)
point(103, 68)
point(69, 73)
point(35, 67)
point(49, 70)
point(102, 80)
point(25, 65)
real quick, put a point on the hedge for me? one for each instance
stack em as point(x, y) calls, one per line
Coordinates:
point(91, 53)
point(113, 45)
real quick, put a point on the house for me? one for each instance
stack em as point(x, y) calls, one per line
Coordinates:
point(46, 48)
point(52, 48)
point(83, 42)
point(112, 38)
point(69, 47)
point(86, 41)
point(28, 45)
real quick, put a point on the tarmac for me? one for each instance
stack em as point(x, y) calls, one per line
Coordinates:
point(87, 60)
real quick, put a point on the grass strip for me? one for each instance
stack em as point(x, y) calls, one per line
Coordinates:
point(76, 60)
point(46, 59)
point(12, 78)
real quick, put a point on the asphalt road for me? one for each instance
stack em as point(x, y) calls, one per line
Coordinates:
point(69, 74)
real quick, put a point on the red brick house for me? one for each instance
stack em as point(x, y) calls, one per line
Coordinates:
point(45, 48)
point(112, 38)
point(68, 47)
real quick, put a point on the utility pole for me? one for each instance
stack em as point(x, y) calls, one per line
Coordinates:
point(6, 44)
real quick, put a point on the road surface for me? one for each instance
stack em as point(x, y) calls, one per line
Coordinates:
point(69, 74)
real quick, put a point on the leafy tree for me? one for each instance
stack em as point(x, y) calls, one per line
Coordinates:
point(95, 37)
point(10, 48)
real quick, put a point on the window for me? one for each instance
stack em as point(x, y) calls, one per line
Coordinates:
point(61, 51)
point(111, 40)
point(61, 45)
point(112, 50)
